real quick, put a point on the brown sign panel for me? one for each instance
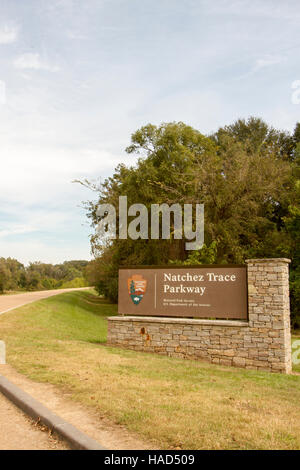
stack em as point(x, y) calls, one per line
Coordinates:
point(196, 292)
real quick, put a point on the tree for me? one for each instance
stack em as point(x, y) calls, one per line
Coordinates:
point(36, 276)
point(242, 175)
point(11, 272)
point(292, 226)
point(296, 134)
point(257, 136)
point(4, 276)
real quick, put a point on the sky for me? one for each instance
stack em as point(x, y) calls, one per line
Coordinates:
point(77, 78)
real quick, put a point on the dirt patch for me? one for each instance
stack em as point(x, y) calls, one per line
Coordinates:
point(18, 432)
point(109, 435)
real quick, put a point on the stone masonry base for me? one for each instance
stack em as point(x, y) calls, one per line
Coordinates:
point(261, 343)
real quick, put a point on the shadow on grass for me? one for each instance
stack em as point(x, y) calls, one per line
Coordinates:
point(86, 301)
point(98, 342)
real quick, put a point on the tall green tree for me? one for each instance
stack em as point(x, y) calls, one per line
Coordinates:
point(243, 175)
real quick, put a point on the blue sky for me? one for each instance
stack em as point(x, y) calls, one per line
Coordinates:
point(77, 78)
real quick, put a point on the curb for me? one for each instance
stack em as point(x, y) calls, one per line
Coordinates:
point(36, 410)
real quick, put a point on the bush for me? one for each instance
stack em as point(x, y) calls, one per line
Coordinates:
point(77, 282)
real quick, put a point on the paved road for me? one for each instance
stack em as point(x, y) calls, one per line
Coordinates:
point(17, 432)
point(9, 302)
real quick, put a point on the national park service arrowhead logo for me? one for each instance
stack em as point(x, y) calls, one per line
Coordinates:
point(137, 286)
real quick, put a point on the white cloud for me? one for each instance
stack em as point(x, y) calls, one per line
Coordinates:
point(33, 174)
point(8, 34)
point(267, 61)
point(254, 8)
point(122, 68)
point(33, 219)
point(262, 63)
point(34, 235)
point(33, 61)
point(16, 230)
point(27, 251)
point(2, 92)
point(75, 35)
point(189, 106)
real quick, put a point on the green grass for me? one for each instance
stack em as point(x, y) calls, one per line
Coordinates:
point(171, 402)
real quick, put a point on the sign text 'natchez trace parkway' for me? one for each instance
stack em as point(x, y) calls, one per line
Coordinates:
point(197, 292)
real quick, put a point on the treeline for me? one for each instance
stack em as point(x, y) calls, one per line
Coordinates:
point(247, 175)
point(14, 276)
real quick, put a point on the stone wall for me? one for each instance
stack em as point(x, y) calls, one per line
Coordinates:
point(263, 342)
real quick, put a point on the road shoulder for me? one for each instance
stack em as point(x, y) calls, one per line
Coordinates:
point(110, 435)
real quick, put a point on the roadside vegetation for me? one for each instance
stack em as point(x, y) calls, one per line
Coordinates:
point(15, 277)
point(173, 403)
point(247, 175)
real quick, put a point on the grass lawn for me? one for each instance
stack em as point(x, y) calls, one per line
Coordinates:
point(171, 402)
